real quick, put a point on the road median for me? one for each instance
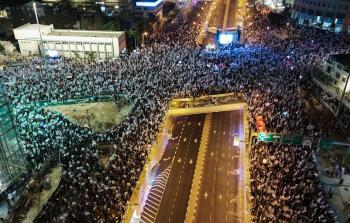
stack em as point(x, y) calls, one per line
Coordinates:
point(197, 177)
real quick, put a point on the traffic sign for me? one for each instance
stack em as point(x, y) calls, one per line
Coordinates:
point(269, 137)
point(325, 144)
point(293, 140)
point(272, 137)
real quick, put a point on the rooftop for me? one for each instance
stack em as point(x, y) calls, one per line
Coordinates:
point(85, 33)
point(343, 59)
point(29, 26)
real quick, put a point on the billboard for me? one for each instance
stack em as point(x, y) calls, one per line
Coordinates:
point(228, 36)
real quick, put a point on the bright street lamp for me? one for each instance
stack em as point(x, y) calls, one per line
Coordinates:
point(143, 37)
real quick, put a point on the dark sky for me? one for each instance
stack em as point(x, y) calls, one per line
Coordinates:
point(13, 2)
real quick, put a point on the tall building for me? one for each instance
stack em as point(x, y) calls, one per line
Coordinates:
point(335, 76)
point(12, 159)
point(143, 7)
point(148, 7)
point(36, 39)
point(328, 14)
point(117, 4)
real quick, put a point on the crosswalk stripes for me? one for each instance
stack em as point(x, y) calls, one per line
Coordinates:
point(150, 210)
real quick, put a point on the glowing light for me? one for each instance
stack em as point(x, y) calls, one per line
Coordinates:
point(149, 4)
point(225, 38)
point(210, 46)
point(52, 53)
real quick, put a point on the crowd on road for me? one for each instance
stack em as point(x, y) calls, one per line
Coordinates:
point(285, 185)
point(268, 70)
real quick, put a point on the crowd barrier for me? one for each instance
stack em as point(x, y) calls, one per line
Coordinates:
point(77, 100)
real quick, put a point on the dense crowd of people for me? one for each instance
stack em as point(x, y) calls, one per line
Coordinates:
point(285, 185)
point(268, 70)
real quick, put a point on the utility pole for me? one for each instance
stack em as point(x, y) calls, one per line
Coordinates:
point(342, 97)
point(41, 38)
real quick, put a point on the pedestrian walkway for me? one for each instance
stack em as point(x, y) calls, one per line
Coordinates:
point(337, 187)
point(154, 198)
point(41, 199)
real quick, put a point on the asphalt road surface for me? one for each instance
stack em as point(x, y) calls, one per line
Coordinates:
point(232, 16)
point(220, 198)
point(217, 19)
point(168, 197)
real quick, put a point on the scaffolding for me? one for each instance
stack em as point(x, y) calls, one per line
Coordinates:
point(12, 159)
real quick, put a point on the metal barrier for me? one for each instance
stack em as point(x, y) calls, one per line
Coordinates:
point(82, 99)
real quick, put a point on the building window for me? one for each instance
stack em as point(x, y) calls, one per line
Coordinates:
point(337, 75)
point(329, 69)
point(340, 67)
point(343, 79)
point(335, 82)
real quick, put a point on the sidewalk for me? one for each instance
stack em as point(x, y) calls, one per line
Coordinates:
point(42, 198)
point(340, 197)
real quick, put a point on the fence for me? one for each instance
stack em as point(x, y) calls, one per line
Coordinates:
point(82, 99)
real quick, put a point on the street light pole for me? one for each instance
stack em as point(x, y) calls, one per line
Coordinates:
point(41, 38)
point(143, 38)
point(342, 97)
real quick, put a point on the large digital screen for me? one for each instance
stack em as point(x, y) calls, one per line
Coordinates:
point(227, 37)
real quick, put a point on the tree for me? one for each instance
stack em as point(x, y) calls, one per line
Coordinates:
point(132, 35)
point(2, 48)
point(112, 26)
point(90, 56)
point(99, 18)
point(77, 56)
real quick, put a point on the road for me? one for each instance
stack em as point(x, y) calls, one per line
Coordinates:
point(168, 197)
point(220, 199)
point(225, 16)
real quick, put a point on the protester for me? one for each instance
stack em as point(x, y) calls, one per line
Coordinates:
point(268, 70)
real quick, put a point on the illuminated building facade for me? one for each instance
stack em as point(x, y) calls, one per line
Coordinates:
point(332, 15)
point(275, 4)
point(69, 43)
point(148, 7)
point(117, 4)
point(335, 76)
point(12, 160)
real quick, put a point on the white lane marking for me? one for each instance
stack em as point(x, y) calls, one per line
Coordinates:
point(153, 202)
point(149, 209)
point(147, 216)
point(205, 195)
